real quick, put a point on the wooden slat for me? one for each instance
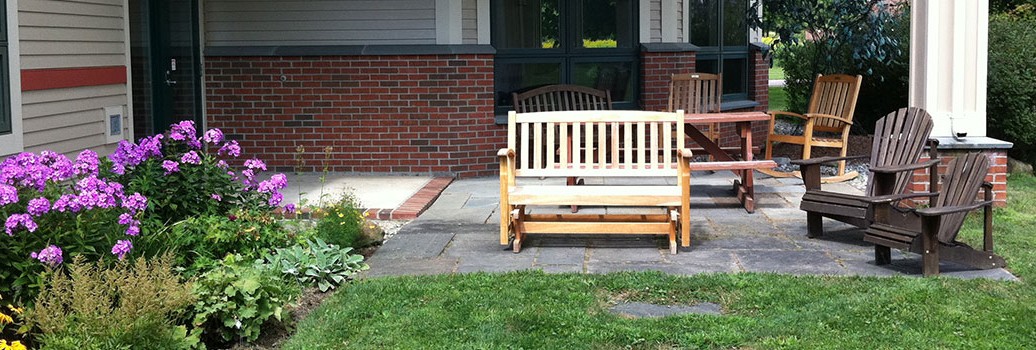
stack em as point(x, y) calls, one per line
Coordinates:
point(650, 228)
point(550, 144)
point(615, 144)
point(667, 152)
point(610, 171)
point(524, 152)
point(589, 142)
point(600, 217)
point(653, 153)
point(566, 143)
point(736, 165)
point(601, 116)
point(537, 148)
point(602, 144)
point(577, 128)
point(639, 146)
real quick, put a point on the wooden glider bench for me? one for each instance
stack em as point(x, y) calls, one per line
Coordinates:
point(607, 144)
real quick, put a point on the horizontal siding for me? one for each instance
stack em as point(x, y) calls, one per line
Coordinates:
point(680, 21)
point(656, 21)
point(469, 22)
point(69, 120)
point(319, 22)
point(67, 34)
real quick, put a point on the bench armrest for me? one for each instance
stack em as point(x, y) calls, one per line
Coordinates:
point(821, 160)
point(897, 197)
point(505, 152)
point(774, 114)
point(939, 211)
point(904, 167)
point(685, 153)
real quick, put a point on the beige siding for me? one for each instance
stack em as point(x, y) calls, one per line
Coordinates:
point(319, 22)
point(63, 34)
point(69, 120)
point(656, 21)
point(469, 22)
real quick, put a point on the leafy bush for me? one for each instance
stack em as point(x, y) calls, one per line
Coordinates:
point(1012, 84)
point(55, 209)
point(318, 264)
point(130, 306)
point(236, 298)
point(342, 225)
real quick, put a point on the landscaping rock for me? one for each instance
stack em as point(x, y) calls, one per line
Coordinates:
point(640, 310)
point(1015, 166)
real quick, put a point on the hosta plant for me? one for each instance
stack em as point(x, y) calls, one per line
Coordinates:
point(318, 264)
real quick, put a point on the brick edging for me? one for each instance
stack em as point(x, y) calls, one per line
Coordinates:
point(413, 206)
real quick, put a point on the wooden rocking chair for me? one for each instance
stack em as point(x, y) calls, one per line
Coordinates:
point(830, 111)
point(932, 232)
point(899, 139)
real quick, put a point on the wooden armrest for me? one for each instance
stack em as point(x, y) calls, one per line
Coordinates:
point(685, 153)
point(820, 160)
point(905, 167)
point(897, 197)
point(828, 116)
point(939, 211)
point(505, 152)
point(774, 114)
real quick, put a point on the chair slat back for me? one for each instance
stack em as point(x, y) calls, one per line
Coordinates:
point(961, 184)
point(836, 95)
point(561, 97)
point(695, 92)
point(610, 143)
point(899, 139)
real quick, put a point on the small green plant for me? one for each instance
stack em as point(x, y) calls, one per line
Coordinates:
point(127, 305)
point(236, 298)
point(342, 224)
point(318, 264)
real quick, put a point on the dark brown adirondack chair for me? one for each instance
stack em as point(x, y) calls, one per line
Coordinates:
point(932, 232)
point(560, 98)
point(899, 138)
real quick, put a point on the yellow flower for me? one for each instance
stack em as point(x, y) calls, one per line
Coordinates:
point(16, 310)
point(341, 215)
point(5, 320)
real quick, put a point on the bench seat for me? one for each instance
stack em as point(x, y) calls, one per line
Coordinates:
point(634, 196)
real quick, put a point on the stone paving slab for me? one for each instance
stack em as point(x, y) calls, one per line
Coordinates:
point(639, 310)
point(459, 233)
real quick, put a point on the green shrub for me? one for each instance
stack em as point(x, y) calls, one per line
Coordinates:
point(125, 306)
point(1011, 105)
point(342, 223)
point(317, 264)
point(238, 297)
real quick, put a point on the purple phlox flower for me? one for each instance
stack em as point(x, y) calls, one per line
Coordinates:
point(231, 148)
point(135, 203)
point(50, 255)
point(249, 176)
point(38, 206)
point(67, 202)
point(290, 208)
point(213, 136)
point(61, 169)
point(129, 155)
point(275, 199)
point(133, 229)
point(8, 194)
point(185, 131)
point(191, 157)
point(276, 182)
point(20, 220)
point(170, 166)
point(122, 247)
point(90, 183)
point(87, 163)
point(222, 164)
point(151, 147)
point(125, 219)
point(255, 164)
point(217, 197)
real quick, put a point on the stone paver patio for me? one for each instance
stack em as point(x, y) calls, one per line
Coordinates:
point(459, 234)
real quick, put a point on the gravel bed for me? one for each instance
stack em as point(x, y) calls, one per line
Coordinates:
point(858, 145)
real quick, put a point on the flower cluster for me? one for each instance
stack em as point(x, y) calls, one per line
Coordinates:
point(50, 255)
point(130, 154)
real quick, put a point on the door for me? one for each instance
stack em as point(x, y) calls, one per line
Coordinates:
point(166, 64)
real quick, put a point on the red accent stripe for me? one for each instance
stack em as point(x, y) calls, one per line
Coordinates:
point(57, 78)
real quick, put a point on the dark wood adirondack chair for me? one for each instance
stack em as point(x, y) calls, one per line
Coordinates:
point(899, 138)
point(932, 232)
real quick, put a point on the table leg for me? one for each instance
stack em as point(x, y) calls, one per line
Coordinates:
point(747, 177)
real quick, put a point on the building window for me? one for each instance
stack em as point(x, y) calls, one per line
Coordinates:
point(5, 79)
point(582, 42)
point(719, 28)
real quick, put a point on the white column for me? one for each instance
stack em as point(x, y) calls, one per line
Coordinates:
point(948, 57)
point(448, 22)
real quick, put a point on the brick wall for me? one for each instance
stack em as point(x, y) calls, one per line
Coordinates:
point(997, 173)
point(758, 91)
point(657, 68)
point(427, 114)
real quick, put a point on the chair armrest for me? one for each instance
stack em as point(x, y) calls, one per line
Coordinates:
point(786, 114)
point(897, 197)
point(828, 116)
point(684, 153)
point(821, 160)
point(939, 211)
point(505, 152)
point(904, 167)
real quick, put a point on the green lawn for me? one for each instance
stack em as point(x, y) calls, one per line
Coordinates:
point(778, 99)
point(776, 72)
point(763, 311)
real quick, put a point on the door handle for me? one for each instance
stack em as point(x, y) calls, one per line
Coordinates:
point(169, 81)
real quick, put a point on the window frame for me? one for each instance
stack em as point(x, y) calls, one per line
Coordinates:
point(722, 52)
point(12, 142)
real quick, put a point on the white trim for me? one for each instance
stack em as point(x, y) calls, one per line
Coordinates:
point(645, 20)
point(482, 20)
point(669, 29)
point(201, 57)
point(14, 142)
point(448, 15)
point(686, 30)
point(127, 121)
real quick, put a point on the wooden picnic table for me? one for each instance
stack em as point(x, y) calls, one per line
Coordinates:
point(739, 159)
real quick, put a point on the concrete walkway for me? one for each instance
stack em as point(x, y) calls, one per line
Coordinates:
point(459, 233)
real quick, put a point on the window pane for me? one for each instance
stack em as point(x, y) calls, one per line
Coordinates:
point(606, 24)
point(735, 28)
point(734, 75)
point(704, 22)
point(611, 76)
point(518, 77)
point(529, 24)
point(707, 65)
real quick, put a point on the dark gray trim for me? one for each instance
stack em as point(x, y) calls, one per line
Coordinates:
point(668, 47)
point(972, 142)
point(347, 50)
point(759, 46)
point(739, 104)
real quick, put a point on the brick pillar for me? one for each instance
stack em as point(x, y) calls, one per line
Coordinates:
point(997, 172)
point(656, 70)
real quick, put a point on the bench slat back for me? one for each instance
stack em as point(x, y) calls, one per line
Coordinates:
point(836, 95)
point(562, 97)
point(595, 143)
point(960, 186)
